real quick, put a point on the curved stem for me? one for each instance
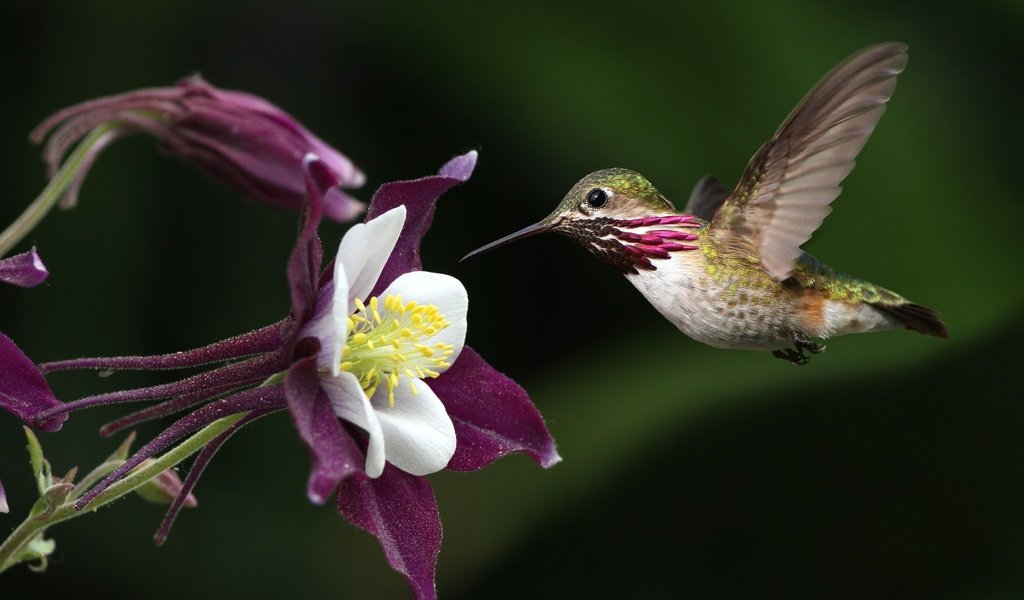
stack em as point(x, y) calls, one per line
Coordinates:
point(53, 191)
point(25, 532)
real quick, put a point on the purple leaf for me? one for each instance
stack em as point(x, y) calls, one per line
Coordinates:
point(23, 270)
point(334, 453)
point(419, 197)
point(23, 389)
point(400, 510)
point(493, 416)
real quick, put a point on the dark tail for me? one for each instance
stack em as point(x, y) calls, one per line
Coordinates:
point(916, 318)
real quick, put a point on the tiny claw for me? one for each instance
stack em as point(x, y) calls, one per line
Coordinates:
point(802, 342)
point(794, 356)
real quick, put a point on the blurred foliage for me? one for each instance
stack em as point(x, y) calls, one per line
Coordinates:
point(889, 467)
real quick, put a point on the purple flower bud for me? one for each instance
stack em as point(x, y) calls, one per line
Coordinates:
point(247, 142)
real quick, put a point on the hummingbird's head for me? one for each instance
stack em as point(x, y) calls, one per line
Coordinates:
point(616, 215)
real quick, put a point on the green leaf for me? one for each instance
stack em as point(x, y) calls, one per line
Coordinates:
point(121, 453)
point(37, 550)
point(35, 455)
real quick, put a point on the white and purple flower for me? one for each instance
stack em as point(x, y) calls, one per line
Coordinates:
point(371, 365)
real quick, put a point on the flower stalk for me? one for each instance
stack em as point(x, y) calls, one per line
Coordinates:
point(56, 188)
point(33, 526)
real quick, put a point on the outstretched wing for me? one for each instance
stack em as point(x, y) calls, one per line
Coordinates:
point(706, 197)
point(787, 187)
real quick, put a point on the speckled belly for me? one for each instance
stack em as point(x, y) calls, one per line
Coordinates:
point(720, 313)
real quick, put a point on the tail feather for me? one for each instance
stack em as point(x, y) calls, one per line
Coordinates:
point(916, 318)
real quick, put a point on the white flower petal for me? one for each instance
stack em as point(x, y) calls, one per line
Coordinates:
point(419, 437)
point(365, 249)
point(351, 404)
point(330, 322)
point(443, 291)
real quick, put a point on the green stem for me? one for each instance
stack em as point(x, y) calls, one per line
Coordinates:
point(53, 191)
point(30, 527)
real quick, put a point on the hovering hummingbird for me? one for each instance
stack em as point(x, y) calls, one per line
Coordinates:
point(728, 270)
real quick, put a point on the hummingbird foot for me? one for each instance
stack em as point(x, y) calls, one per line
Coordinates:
point(796, 355)
point(802, 342)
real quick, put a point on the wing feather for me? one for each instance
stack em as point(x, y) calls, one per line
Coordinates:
point(786, 189)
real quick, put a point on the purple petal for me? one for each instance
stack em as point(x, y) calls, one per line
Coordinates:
point(23, 389)
point(23, 270)
point(304, 262)
point(3, 500)
point(257, 399)
point(196, 470)
point(400, 510)
point(419, 197)
point(493, 416)
point(340, 207)
point(461, 167)
point(334, 453)
point(254, 342)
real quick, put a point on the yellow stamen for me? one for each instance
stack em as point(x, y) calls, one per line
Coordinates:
point(383, 347)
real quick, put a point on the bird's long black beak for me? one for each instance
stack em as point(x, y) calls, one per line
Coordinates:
point(508, 239)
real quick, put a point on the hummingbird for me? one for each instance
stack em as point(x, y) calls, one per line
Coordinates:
point(729, 270)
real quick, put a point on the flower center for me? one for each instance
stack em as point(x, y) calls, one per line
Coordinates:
point(380, 348)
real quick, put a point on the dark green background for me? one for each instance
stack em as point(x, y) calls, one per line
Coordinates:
point(889, 467)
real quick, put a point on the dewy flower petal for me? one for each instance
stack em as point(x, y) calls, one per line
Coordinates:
point(23, 389)
point(23, 270)
point(247, 142)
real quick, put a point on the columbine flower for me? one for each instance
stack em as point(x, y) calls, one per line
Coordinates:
point(376, 350)
point(23, 270)
point(239, 138)
point(372, 368)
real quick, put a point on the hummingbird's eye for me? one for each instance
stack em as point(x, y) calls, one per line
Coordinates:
point(597, 197)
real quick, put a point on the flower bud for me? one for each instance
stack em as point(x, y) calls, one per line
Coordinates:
point(163, 488)
point(241, 139)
